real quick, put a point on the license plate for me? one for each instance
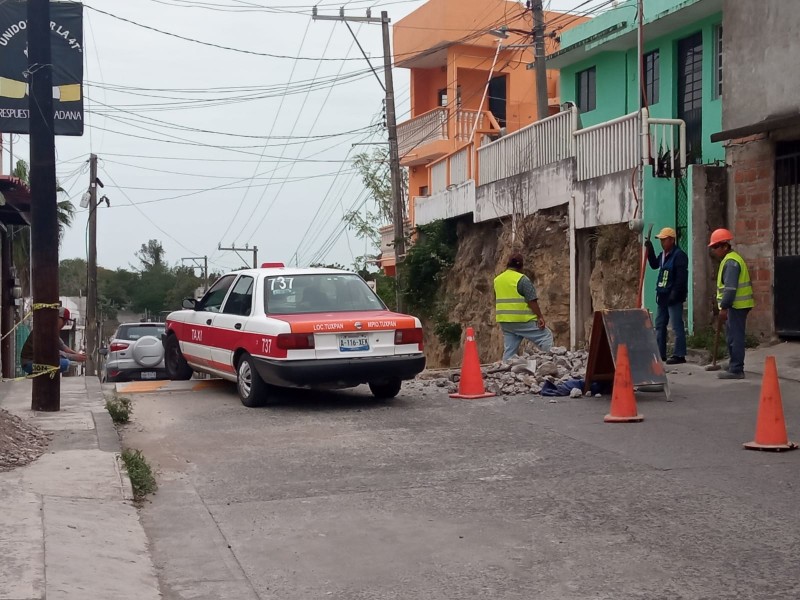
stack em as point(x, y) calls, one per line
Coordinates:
point(353, 343)
point(148, 374)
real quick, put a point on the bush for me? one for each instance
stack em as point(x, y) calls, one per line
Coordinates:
point(140, 473)
point(119, 409)
point(426, 263)
point(449, 333)
point(703, 339)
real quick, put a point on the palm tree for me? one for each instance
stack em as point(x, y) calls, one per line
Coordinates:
point(21, 237)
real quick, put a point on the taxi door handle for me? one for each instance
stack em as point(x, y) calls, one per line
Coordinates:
point(208, 322)
point(237, 326)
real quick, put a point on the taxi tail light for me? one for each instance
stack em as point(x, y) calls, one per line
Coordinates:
point(412, 335)
point(296, 341)
point(117, 346)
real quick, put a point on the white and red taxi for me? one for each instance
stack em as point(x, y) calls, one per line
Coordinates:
point(312, 328)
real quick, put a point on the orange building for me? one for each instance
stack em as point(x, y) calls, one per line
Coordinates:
point(453, 49)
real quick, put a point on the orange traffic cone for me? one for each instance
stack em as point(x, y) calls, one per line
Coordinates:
point(770, 426)
point(470, 386)
point(623, 400)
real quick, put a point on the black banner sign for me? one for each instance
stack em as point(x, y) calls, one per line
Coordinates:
point(66, 44)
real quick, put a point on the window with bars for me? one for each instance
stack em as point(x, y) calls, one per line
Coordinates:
point(586, 90)
point(718, 61)
point(651, 78)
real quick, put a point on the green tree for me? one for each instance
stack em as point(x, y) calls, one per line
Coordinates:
point(186, 282)
point(365, 223)
point(72, 277)
point(21, 235)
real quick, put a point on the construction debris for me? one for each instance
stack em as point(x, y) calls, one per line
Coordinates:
point(20, 442)
point(524, 374)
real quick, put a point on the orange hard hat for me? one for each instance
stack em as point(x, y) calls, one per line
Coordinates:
point(720, 235)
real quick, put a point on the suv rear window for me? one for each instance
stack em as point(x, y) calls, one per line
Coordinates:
point(134, 332)
point(288, 295)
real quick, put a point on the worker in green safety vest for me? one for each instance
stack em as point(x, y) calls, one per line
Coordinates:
point(517, 309)
point(734, 298)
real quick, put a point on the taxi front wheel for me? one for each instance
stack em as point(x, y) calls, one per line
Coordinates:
point(252, 389)
point(385, 390)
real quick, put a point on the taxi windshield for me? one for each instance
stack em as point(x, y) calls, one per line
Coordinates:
point(316, 293)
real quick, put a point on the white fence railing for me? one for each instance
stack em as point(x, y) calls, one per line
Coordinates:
point(439, 177)
point(459, 166)
point(428, 127)
point(608, 147)
point(540, 143)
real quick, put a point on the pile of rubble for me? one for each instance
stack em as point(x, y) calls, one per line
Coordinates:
point(20, 442)
point(524, 374)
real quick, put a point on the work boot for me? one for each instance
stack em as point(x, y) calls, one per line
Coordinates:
point(676, 360)
point(729, 375)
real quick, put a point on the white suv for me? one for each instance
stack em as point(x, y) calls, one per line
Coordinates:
point(313, 328)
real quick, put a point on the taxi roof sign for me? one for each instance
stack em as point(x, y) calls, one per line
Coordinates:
point(273, 265)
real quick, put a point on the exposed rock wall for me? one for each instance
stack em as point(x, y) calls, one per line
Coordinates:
point(483, 250)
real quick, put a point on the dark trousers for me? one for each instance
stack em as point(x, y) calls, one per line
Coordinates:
point(734, 333)
point(664, 315)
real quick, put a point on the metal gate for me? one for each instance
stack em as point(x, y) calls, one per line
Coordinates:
point(787, 241)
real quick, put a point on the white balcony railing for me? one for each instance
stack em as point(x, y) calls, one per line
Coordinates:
point(608, 147)
point(459, 166)
point(540, 143)
point(439, 176)
point(425, 128)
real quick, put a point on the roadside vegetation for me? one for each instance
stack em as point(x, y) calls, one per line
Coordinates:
point(140, 473)
point(703, 339)
point(120, 409)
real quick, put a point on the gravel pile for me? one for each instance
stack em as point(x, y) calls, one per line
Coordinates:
point(521, 375)
point(20, 442)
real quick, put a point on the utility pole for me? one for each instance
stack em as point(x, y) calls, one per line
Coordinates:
point(91, 283)
point(46, 389)
point(204, 267)
point(542, 107)
point(246, 248)
point(398, 205)
point(398, 215)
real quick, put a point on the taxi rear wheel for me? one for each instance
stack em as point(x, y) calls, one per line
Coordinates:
point(385, 389)
point(177, 367)
point(252, 389)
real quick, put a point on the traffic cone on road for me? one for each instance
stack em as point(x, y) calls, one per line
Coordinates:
point(623, 400)
point(470, 385)
point(770, 426)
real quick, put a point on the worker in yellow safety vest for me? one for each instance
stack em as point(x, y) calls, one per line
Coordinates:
point(734, 298)
point(517, 309)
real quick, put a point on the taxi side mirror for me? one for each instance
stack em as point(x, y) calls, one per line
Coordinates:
point(190, 303)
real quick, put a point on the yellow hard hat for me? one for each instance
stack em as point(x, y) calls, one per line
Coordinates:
point(667, 232)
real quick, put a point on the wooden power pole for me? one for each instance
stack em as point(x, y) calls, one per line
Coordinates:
point(46, 395)
point(542, 107)
point(91, 284)
point(398, 205)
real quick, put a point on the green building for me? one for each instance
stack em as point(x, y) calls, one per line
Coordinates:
point(598, 62)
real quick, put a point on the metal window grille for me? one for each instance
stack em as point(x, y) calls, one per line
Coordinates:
point(651, 77)
point(586, 93)
point(682, 212)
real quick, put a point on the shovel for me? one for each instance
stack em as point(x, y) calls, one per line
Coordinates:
point(714, 366)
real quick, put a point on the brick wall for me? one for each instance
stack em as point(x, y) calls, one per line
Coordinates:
point(752, 181)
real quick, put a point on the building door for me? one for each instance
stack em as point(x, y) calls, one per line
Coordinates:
point(497, 99)
point(787, 240)
point(690, 94)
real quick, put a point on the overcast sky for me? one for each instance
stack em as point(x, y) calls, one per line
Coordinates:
point(254, 174)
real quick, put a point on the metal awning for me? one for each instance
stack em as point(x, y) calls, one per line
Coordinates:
point(16, 209)
point(766, 126)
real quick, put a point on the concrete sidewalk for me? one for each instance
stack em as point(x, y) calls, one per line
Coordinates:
point(68, 526)
point(787, 358)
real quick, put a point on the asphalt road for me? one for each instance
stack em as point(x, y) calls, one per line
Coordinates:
point(424, 497)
